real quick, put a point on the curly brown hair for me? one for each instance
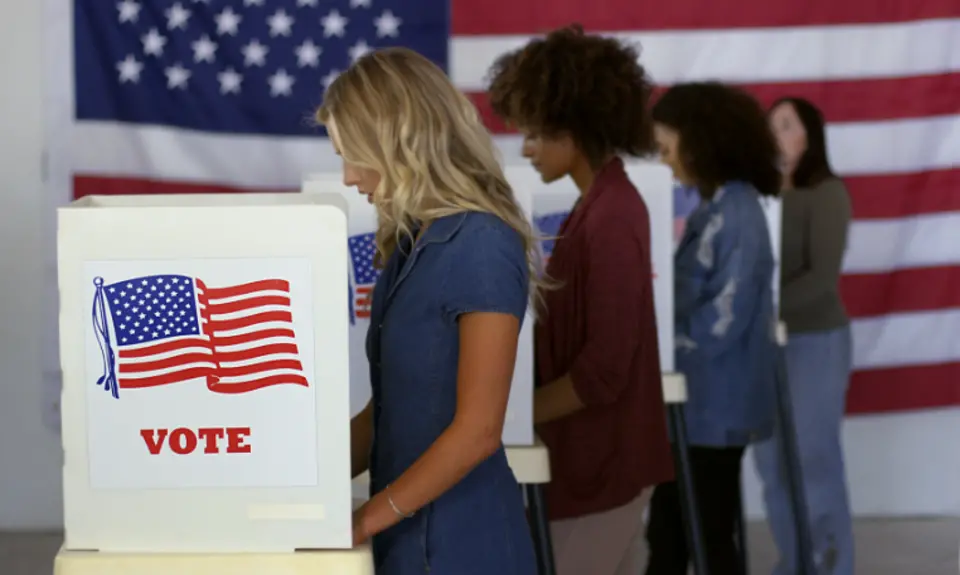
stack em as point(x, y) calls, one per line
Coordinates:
point(589, 87)
point(724, 136)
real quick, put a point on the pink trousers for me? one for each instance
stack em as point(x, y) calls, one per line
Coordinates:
point(607, 543)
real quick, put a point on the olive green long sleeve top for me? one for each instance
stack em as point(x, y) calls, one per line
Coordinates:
point(815, 223)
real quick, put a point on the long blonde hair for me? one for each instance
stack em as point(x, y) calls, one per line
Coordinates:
point(397, 113)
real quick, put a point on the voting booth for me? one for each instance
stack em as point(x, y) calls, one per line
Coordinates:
point(204, 349)
point(518, 426)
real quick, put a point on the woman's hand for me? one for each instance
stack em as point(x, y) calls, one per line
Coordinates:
point(360, 525)
point(374, 516)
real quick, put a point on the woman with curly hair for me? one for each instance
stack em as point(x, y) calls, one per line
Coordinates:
point(580, 103)
point(715, 138)
point(459, 263)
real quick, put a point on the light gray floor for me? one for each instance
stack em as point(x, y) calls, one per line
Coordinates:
point(884, 547)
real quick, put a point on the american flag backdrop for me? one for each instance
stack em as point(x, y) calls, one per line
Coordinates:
point(164, 329)
point(214, 95)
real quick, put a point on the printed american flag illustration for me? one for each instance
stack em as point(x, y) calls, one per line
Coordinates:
point(178, 96)
point(172, 328)
point(548, 226)
point(362, 250)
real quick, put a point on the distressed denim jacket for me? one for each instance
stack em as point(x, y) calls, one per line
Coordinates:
point(725, 320)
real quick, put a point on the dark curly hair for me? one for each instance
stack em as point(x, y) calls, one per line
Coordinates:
point(589, 87)
point(724, 136)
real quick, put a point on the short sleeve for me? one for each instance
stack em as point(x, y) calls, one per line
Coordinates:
point(487, 272)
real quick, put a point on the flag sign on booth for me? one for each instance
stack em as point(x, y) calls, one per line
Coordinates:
point(362, 250)
point(166, 333)
point(200, 378)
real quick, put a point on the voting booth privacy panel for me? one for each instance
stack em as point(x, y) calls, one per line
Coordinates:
point(205, 373)
point(547, 205)
point(518, 427)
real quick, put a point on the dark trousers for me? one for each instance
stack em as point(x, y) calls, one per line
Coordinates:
point(716, 479)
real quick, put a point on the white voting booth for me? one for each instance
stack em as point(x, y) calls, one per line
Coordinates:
point(205, 384)
point(518, 427)
point(211, 366)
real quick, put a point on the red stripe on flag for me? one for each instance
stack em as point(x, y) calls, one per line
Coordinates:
point(129, 367)
point(245, 289)
point(497, 17)
point(896, 389)
point(166, 378)
point(899, 195)
point(235, 306)
point(242, 322)
point(254, 352)
point(254, 336)
point(870, 100)
point(841, 101)
point(96, 185)
point(259, 383)
point(901, 291)
point(276, 364)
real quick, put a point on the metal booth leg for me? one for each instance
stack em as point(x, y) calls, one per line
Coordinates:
point(540, 528)
point(688, 498)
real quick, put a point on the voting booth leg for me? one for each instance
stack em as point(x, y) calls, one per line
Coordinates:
point(688, 499)
point(791, 459)
point(540, 528)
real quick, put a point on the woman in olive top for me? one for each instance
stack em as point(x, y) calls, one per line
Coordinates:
point(816, 215)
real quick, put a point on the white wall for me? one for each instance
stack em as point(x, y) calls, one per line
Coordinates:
point(899, 464)
point(29, 452)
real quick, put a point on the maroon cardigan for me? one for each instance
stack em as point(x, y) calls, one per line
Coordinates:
point(600, 327)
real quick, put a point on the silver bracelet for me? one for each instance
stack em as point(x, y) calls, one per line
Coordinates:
point(394, 505)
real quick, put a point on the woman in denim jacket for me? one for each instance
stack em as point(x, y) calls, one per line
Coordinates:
point(715, 138)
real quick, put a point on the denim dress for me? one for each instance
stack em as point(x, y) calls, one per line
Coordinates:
point(466, 262)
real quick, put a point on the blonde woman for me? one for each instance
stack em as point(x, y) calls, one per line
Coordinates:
point(459, 263)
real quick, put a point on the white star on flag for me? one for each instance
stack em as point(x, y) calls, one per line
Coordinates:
point(329, 78)
point(177, 76)
point(129, 11)
point(358, 50)
point(153, 42)
point(308, 54)
point(306, 3)
point(177, 17)
point(129, 69)
point(229, 81)
point(281, 83)
point(227, 22)
point(359, 3)
point(280, 23)
point(334, 24)
point(387, 25)
point(255, 53)
point(204, 49)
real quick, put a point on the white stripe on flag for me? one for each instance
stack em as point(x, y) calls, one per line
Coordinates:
point(263, 162)
point(919, 241)
point(758, 54)
point(916, 338)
